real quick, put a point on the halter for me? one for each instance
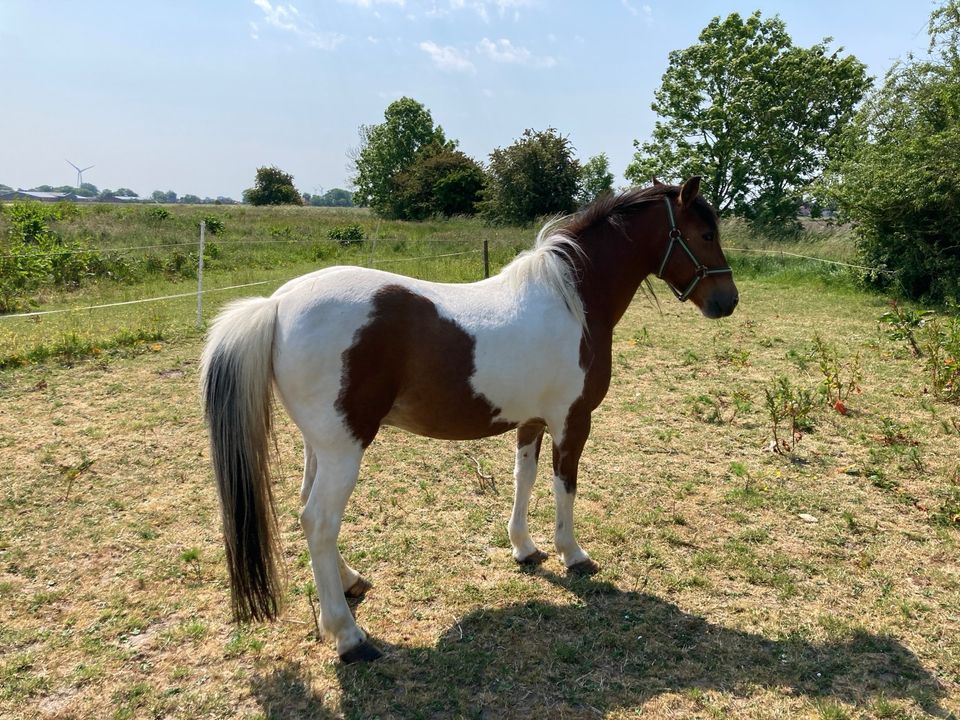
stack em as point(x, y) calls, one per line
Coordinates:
point(700, 271)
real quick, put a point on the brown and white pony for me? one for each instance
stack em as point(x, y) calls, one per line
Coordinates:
point(349, 349)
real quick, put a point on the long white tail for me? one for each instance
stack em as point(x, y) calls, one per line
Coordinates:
point(236, 374)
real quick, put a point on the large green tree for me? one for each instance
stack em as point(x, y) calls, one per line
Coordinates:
point(390, 148)
point(755, 115)
point(900, 178)
point(536, 175)
point(273, 186)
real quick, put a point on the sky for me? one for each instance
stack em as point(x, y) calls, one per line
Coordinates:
point(192, 96)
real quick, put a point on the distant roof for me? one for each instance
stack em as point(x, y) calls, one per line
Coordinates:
point(36, 195)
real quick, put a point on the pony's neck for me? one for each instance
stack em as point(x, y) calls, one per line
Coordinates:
point(616, 260)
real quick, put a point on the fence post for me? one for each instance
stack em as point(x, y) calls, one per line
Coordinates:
point(203, 227)
point(486, 259)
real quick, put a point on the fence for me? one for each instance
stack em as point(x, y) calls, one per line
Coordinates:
point(484, 251)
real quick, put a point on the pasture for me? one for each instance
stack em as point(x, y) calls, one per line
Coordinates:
point(736, 582)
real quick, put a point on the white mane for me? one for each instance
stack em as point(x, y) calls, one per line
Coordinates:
point(550, 262)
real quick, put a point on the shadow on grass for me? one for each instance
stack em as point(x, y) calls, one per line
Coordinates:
point(610, 650)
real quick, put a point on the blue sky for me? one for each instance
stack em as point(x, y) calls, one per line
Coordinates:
point(193, 96)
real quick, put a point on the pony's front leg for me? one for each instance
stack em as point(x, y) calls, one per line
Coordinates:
point(529, 439)
point(336, 477)
point(566, 460)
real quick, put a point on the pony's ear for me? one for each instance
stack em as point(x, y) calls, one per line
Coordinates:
point(656, 182)
point(690, 190)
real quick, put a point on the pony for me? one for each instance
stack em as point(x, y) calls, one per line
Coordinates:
point(350, 349)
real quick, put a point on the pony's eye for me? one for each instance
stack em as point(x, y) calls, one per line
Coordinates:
point(709, 237)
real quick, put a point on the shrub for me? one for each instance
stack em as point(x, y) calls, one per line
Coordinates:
point(213, 224)
point(900, 179)
point(535, 176)
point(440, 182)
point(346, 235)
point(158, 213)
point(788, 405)
point(33, 254)
point(941, 346)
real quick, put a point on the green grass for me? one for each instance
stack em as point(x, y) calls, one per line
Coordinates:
point(271, 245)
point(715, 598)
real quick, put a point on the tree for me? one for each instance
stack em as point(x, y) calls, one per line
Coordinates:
point(390, 148)
point(272, 187)
point(755, 115)
point(337, 197)
point(441, 181)
point(595, 179)
point(535, 176)
point(160, 196)
point(190, 200)
point(900, 179)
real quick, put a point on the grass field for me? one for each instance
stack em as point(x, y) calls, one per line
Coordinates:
point(736, 582)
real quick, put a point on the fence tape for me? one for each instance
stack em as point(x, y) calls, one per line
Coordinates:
point(137, 302)
point(423, 257)
point(810, 257)
point(388, 261)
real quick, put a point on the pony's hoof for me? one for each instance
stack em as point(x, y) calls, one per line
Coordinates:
point(537, 557)
point(358, 589)
point(584, 567)
point(364, 652)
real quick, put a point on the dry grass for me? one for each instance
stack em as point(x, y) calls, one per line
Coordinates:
point(715, 599)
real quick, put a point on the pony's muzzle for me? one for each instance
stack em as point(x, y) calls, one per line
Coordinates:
point(721, 302)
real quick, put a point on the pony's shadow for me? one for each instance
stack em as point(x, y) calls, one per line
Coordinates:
point(612, 649)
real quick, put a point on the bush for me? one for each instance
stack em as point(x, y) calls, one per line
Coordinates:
point(158, 213)
point(346, 235)
point(34, 255)
point(900, 182)
point(940, 340)
point(213, 224)
point(273, 186)
point(535, 176)
point(440, 182)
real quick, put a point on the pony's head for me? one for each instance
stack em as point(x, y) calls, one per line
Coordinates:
point(692, 263)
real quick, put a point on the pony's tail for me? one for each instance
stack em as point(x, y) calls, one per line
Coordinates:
point(236, 374)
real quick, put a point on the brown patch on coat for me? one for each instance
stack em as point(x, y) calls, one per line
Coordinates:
point(411, 368)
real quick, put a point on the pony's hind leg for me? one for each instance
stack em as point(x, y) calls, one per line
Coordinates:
point(309, 471)
point(529, 439)
point(338, 465)
point(353, 583)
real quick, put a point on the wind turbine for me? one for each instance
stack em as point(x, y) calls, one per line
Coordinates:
point(80, 172)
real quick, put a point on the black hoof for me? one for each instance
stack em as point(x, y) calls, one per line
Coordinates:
point(364, 652)
point(358, 589)
point(537, 557)
point(584, 567)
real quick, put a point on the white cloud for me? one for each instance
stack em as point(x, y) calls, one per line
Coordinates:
point(504, 51)
point(447, 58)
point(645, 10)
point(254, 31)
point(483, 8)
point(286, 18)
point(371, 3)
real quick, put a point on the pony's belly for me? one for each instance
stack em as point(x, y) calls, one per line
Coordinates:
point(445, 421)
